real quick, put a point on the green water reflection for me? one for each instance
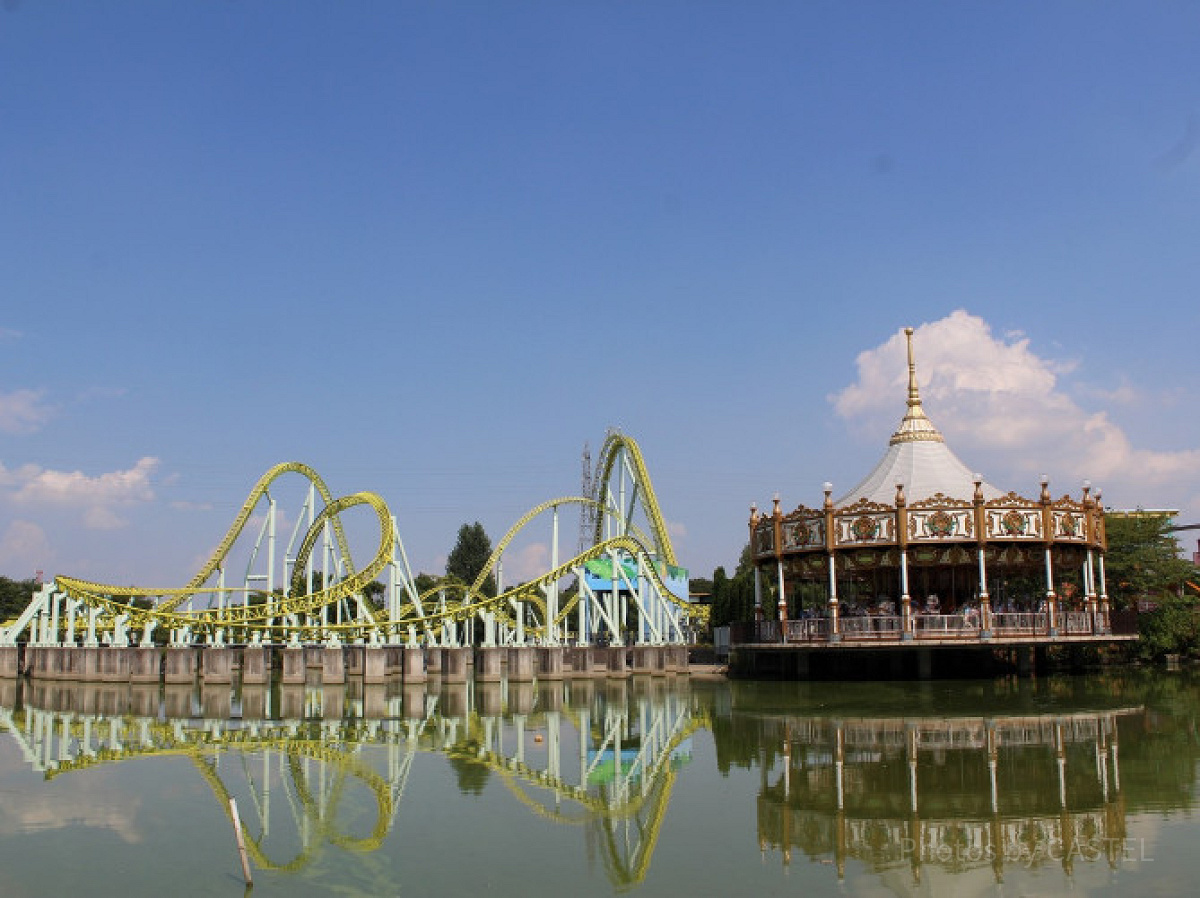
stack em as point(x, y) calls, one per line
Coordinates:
point(648, 786)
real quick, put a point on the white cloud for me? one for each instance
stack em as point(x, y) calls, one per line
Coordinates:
point(995, 394)
point(23, 411)
point(24, 549)
point(526, 563)
point(98, 497)
point(187, 505)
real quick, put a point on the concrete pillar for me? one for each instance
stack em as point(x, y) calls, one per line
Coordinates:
point(414, 664)
point(115, 665)
point(333, 666)
point(395, 660)
point(355, 660)
point(643, 659)
point(520, 664)
point(145, 664)
point(294, 669)
point(374, 662)
point(580, 660)
point(180, 664)
point(433, 661)
point(256, 665)
point(88, 661)
point(33, 656)
point(618, 661)
point(551, 667)
point(216, 665)
point(8, 660)
point(488, 664)
point(454, 664)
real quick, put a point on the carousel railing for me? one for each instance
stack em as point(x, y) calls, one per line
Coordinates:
point(945, 626)
point(1019, 623)
point(811, 629)
point(1077, 622)
point(872, 626)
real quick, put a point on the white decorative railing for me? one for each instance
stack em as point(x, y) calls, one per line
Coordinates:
point(871, 627)
point(945, 625)
point(1077, 622)
point(808, 630)
point(1024, 623)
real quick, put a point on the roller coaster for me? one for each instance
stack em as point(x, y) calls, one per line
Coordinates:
point(623, 586)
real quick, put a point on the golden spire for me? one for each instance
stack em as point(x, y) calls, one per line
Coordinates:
point(916, 426)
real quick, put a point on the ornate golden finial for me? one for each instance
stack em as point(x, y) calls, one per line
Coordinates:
point(914, 394)
point(916, 426)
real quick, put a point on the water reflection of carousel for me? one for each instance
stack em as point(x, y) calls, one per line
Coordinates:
point(301, 761)
point(952, 794)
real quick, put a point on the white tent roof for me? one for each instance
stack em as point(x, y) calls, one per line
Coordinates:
point(917, 457)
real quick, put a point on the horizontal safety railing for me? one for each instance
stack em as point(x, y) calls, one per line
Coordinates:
point(1019, 623)
point(872, 627)
point(815, 629)
point(945, 626)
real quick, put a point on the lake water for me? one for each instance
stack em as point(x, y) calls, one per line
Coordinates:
point(646, 787)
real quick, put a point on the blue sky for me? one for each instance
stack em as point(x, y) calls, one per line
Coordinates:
point(432, 249)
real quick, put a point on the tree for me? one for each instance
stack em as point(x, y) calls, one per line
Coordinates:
point(720, 615)
point(469, 555)
point(15, 596)
point(1142, 560)
point(374, 593)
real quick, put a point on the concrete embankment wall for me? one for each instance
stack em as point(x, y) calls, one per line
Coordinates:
point(333, 665)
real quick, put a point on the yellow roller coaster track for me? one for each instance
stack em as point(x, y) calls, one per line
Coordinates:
point(287, 614)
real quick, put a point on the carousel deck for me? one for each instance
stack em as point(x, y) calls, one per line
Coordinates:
point(931, 630)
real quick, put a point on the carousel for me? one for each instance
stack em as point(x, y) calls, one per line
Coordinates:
point(923, 549)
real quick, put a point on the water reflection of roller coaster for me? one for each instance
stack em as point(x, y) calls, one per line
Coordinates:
point(599, 757)
point(622, 586)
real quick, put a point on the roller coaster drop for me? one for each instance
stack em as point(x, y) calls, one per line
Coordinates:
point(627, 577)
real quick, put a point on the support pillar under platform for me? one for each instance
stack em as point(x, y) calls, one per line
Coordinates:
point(550, 662)
point(216, 665)
point(256, 665)
point(414, 664)
point(374, 664)
point(520, 664)
point(333, 666)
point(455, 664)
point(145, 664)
point(488, 664)
point(618, 661)
point(9, 656)
point(294, 669)
point(181, 665)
